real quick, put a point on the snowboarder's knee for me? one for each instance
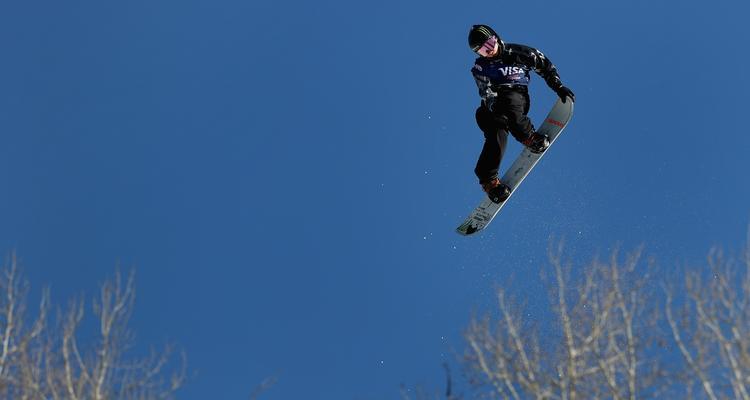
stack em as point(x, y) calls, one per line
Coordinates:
point(489, 122)
point(502, 121)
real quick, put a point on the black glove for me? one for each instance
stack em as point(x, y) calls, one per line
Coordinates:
point(564, 92)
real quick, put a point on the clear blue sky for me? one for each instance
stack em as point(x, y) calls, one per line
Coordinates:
point(286, 176)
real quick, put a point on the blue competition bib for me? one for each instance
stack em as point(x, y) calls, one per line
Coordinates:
point(494, 72)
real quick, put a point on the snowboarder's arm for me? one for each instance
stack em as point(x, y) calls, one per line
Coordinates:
point(537, 61)
point(544, 67)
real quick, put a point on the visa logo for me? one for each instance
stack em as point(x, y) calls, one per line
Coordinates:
point(512, 70)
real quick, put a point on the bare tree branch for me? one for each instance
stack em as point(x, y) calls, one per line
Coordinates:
point(39, 361)
point(601, 345)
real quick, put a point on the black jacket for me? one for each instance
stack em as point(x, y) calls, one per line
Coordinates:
point(511, 68)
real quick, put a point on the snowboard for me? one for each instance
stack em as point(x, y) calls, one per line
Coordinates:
point(486, 211)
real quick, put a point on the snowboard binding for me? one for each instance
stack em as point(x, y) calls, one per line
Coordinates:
point(537, 143)
point(497, 191)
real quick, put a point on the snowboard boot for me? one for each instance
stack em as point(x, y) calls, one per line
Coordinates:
point(537, 143)
point(497, 191)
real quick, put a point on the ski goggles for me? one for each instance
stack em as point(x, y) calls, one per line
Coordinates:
point(488, 47)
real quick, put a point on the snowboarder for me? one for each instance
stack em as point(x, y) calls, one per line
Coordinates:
point(502, 73)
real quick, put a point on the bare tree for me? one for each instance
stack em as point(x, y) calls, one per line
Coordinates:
point(24, 349)
point(615, 336)
point(710, 324)
point(603, 323)
point(43, 361)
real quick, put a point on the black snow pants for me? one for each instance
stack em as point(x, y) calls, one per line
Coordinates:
point(508, 114)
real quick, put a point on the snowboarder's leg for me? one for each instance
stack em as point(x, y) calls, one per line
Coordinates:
point(515, 106)
point(495, 141)
point(495, 132)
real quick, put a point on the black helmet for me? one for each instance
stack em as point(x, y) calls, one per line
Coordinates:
point(478, 34)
